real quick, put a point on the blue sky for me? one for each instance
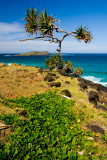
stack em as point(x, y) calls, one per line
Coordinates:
point(90, 13)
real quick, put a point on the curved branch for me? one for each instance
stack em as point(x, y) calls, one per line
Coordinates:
point(67, 34)
point(59, 27)
point(52, 39)
point(30, 39)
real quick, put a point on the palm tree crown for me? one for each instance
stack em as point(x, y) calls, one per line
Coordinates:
point(32, 21)
point(82, 33)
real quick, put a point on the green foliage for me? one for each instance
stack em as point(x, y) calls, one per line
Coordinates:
point(50, 131)
point(78, 71)
point(9, 119)
point(38, 22)
point(69, 64)
point(82, 33)
point(45, 23)
point(32, 21)
point(52, 62)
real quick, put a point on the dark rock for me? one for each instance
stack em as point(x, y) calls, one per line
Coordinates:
point(83, 85)
point(96, 86)
point(51, 74)
point(23, 113)
point(66, 92)
point(48, 78)
point(67, 82)
point(101, 107)
point(96, 129)
point(56, 84)
point(93, 97)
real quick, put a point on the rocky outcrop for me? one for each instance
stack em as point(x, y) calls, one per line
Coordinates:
point(48, 78)
point(93, 97)
point(51, 74)
point(83, 85)
point(56, 84)
point(66, 92)
point(96, 129)
point(67, 82)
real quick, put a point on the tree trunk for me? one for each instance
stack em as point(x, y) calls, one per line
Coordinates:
point(59, 55)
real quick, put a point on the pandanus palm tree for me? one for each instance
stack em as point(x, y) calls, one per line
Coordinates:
point(44, 27)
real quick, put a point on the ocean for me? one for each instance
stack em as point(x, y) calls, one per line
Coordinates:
point(94, 65)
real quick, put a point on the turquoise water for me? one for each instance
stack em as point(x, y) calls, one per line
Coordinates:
point(94, 65)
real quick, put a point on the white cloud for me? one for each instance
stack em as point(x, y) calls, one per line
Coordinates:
point(6, 28)
point(10, 34)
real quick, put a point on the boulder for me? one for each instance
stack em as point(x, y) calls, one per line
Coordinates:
point(51, 74)
point(56, 84)
point(93, 97)
point(96, 129)
point(83, 85)
point(23, 113)
point(66, 92)
point(67, 82)
point(48, 78)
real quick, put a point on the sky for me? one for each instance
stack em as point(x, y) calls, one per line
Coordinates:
point(90, 13)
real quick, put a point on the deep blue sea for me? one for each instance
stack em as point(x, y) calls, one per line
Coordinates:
point(94, 65)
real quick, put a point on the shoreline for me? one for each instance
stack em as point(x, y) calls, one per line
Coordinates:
point(91, 83)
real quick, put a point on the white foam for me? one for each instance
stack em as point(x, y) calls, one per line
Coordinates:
point(95, 80)
point(92, 78)
point(9, 63)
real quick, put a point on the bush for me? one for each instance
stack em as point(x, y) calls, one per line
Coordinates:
point(78, 71)
point(52, 62)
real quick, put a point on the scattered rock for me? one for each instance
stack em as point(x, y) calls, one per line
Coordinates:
point(48, 78)
point(83, 86)
point(96, 129)
point(51, 74)
point(66, 92)
point(93, 97)
point(23, 113)
point(2, 65)
point(67, 82)
point(56, 84)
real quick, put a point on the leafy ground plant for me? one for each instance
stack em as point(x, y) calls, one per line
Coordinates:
point(50, 131)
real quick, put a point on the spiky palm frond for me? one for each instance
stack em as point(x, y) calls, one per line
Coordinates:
point(32, 21)
point(45, 23)
point(82, 33)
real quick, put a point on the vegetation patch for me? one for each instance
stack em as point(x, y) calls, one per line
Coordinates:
point(50, 131)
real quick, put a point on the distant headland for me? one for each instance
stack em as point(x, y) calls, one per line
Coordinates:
point(34, 53)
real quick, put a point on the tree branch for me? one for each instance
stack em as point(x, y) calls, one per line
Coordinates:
point(67, 34)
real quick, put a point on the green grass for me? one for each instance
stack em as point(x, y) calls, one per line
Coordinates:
point(50, 131)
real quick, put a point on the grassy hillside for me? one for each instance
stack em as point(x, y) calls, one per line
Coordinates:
point(45, 125)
